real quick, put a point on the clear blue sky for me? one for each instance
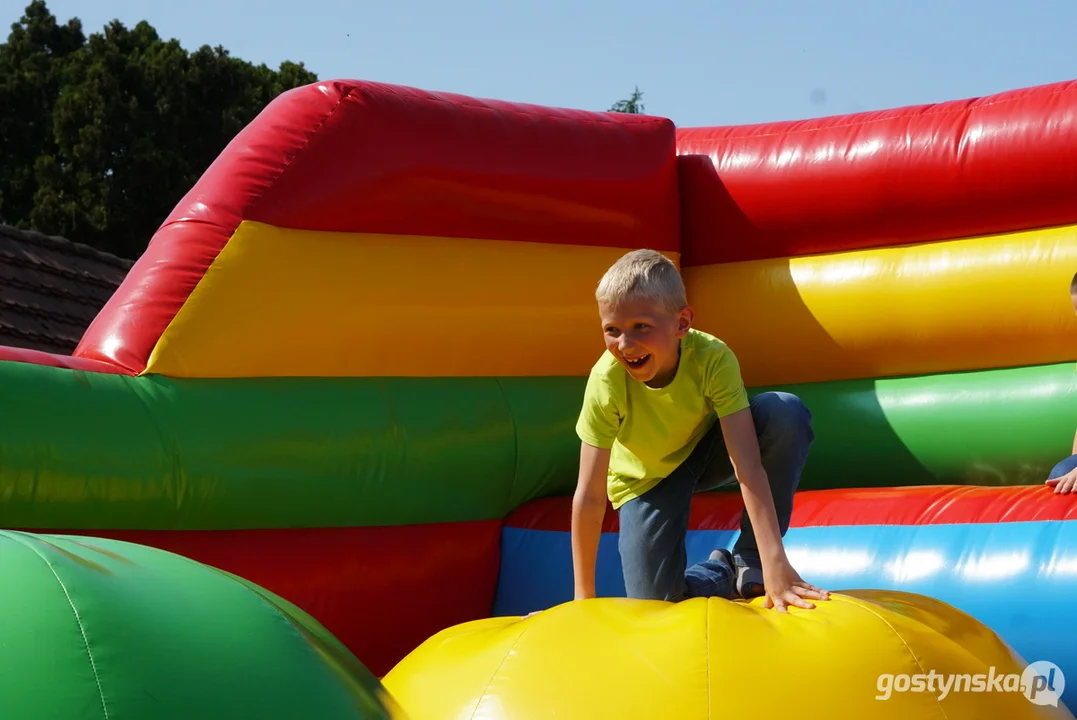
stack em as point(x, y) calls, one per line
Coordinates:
point(698, 62)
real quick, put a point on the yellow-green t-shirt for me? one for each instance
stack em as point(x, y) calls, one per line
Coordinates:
point(650, 431)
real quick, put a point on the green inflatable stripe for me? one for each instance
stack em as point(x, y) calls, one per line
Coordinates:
point(997, 427)
point(88, 450)
point(84, 450)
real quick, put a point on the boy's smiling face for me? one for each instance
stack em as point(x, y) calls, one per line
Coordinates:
point(645, 338)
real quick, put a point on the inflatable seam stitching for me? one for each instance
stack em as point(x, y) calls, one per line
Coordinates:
point(78, 618)
point(863, 606)
point(500, 665)
point(298, 151)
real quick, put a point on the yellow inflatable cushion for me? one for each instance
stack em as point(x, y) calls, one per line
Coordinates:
point(862, 654)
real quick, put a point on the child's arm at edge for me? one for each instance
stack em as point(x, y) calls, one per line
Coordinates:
point(1067, 483)
point(588, 511)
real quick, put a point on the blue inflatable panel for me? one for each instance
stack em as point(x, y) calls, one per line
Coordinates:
point(1020, 579)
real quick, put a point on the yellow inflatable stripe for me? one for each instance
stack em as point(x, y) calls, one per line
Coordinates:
point(970, 304)
point(279, 302)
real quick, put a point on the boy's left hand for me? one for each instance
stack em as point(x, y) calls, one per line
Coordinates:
point(785, 587)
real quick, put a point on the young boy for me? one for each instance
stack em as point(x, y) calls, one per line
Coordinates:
point(665, 414)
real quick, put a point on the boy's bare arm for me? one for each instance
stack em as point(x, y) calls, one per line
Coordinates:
point(738, 430)
point(588, 510)
point(784, 585)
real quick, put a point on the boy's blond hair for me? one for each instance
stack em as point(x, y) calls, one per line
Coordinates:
point(643, 274)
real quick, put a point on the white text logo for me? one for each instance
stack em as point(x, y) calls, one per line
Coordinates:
point(1042, 682)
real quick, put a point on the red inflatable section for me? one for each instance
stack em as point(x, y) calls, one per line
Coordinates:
point(352, 156)
point(914, 505)
point(994, 164)
point(37, 357)
point(381, 591)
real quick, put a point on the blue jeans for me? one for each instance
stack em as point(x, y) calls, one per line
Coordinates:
point(653, 526)
point(1063, 467)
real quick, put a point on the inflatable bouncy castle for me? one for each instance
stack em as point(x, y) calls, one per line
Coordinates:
point(348, 367)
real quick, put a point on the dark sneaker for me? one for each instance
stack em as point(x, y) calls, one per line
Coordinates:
point(750, 583)
point(724, 556)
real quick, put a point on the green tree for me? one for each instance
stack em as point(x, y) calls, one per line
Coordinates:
point(31, 68)
point(632, 105)
point(110, 131)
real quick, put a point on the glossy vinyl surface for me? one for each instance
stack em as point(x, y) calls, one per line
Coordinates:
point(895, 311)
point(994, 427)
point(97, 628)
point(360, 157)
point(910, 506)
point(978, 549)
point(346, 577)
point(38, 357)
point(711, 658)
point(349, 304)
point(96, 450)
point(955, 169)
